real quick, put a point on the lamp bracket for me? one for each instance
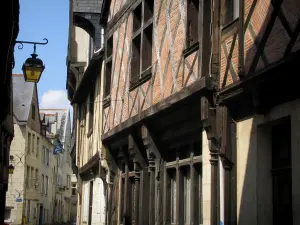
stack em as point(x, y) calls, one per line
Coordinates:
point(20, 46)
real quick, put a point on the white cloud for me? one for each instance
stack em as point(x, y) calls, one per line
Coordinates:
point(55, 99)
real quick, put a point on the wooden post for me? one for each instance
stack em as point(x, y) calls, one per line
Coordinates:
point(137, 191)
point(152, 190)
point(192, 196)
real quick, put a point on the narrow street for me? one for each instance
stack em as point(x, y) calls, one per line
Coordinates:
point(150, 112)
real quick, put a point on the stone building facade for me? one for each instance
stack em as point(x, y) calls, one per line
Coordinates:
point(36, 189)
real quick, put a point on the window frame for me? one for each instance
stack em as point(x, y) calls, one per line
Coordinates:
point(229, 14)
point(108, 71)
point(177, 167)
point(33, 111)
point(91, 105)
point(189, 15)
point(138, 36)
point(282, 170)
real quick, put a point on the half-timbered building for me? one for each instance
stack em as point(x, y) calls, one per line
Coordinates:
point(157, 127)
point(259, 111)
point(85, 59)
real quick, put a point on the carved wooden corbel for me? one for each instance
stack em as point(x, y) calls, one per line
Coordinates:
point(227, 163)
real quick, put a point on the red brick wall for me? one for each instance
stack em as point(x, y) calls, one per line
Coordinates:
point(276, 44)
point(171, 72)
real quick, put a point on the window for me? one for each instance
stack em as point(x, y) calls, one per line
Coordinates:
point(46, 185)
point(69, 181)
point(33, 143)
point(37, 146)
point(48, 157)
point(192, 22)
point(36, 178)
point(141, 60)
point(187, 194)
point(47, 153)
point(231, 11)
point(129, 174)
point(47, 215)
point(108, 67)
point(28, 211)
point(73, 189)
point(34, 213)
point(7, 214)
point(282, 174)
point(32, 178)
point(180, 186)
point(28, 177)
point(43, 155)
point(173, 196)
point(43, 182)
point(33, 111)
point(29, 143)
point(91, 107)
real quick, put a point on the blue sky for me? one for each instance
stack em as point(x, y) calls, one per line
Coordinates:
point(46, 19)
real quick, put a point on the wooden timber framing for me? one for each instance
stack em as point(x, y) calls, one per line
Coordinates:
point(260, 47)
point(151, 201)
point(158, 151)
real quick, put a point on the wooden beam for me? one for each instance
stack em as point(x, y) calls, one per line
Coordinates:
point(171, 101)
point(265, 37)
point(293, 40)
point(157, 148)
point(179, 129)
point(241, 44)
point(139, 148)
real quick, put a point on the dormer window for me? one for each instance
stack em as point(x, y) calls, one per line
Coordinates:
point(33, 111)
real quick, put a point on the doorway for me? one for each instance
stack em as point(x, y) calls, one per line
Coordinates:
point(41, 215)
point(90, 204)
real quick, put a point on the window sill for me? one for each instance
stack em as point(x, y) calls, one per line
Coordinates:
point(229, 29)
point(90, 133)
point(106, 101)
point(190, 50)
point(224, 27)
point(145, 76)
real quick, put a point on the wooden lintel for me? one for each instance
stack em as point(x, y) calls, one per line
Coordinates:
point(197, 87)
point(181, 129)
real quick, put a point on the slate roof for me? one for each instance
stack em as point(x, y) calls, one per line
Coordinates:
point(22, 97)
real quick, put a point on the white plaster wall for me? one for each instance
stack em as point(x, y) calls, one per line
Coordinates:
point(206, 180)
point(254, 205)
point(98, 212)
point(82, 40)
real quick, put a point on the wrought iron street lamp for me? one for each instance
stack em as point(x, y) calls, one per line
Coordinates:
point(33, 67)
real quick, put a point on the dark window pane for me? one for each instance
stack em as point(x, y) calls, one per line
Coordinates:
point(135, 60)
point(282, 176)
point(147, 48)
